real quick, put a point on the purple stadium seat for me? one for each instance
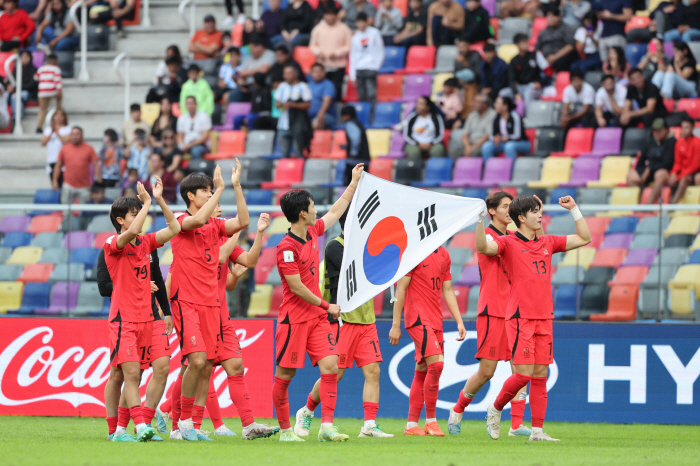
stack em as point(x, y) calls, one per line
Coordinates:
point(14, 223)
point(164, 269)
point(414, 86)
point(585, 169)
point(643, 256)
point(470, 276)
point(490, 6)
point(396, 147)
point(668, 49)
point(38, 58)
point(606, 142)
point(233, 110)
point(498, 171)
point(407, 109)
point(466, 169)
point(78, 239)
point(617, 240)
point(520, 107)
point(64, 296)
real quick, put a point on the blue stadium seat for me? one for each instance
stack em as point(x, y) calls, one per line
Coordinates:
point(436, 170)
point(259, 197)
point(35, 296)
point(694, 257)
point(364, 110)
point(565, 301)
point(159, 224)
point(85, 256)
point(394, 59)
point(274, 240)
point(46, 196)
point(635, 52)
point(474, 193)
point(16, 239)
point(386, 114)
point(622, 225)
point(554, 199)
point(339, 176)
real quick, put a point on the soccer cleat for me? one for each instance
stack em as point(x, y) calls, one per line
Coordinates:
point(156, 438)
point(331, 434)
point(175, 435)
point(541, 436)
point(433, 429)
point(162, 421)
point(415, 430)
point(145, 433)
point(374, 431)
point(493, 422)
point(454, 422)
point(202, 435)
point(290, 436)
point(522, 430)
point(303, 423)
point(123, 437)
point(186, 428)
point(223, 430)
point(255, 430)
point(110, 437)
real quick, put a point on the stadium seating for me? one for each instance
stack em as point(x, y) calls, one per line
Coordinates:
point(578, 141)
point(437, 170)
point(10, 296)
point(419, 59)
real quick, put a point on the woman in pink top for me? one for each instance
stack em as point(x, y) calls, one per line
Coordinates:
point(450, 102)
point(330, 42)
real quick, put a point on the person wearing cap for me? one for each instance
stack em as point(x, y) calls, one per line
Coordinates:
point(198, 88)
point(330, 42)
point(556, 42)
point(643, 103)
point(656, 161)
point(207, 42)
point(366, 57)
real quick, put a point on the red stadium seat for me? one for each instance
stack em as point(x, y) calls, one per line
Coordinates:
point(578, 141)
point(261, 273)
point(403, 6)
point(389, 87)
point(340, 139)
point(230, 144)
point(288, 172)
point(100, 238)
point(464, 239)
point(637, 22)
point(665, 195)
point(622, 304)
point(38, 273)
point(268, 256)
point(531, 135)
point(462, 294)
point(611, 257)
point(632, 275)
point(676, 131)
point(351, 94)
point(563, 79)
point(691, 106)
point(478, 47)
point(237, 35)
point(596, 240)
point(321, 144)
point(175, 108)
point(305, 57)
point(538, 25)
point(382, 168)
point(670, 104)
point(494, 22)
point(130, 22)
point(419, 59)
point(598, 225)
point(4, 56)
point(50, 223)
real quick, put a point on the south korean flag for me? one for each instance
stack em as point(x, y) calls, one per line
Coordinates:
point(391, 228)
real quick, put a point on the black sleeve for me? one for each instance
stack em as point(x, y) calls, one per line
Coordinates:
point(104, 281)
point(308, 24)
point(157, 277)
point(334, 260)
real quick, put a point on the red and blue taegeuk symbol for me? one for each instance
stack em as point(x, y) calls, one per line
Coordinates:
point(383, 251)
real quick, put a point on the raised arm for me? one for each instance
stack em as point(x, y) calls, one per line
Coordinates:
point(200, 218)
point(137, 225)
point(173, 228)
point(250, 258)
point(583, 234)
point(341, 205)
point(449, 293)
point(489, 248)
point(399, 298)
point(242, 218)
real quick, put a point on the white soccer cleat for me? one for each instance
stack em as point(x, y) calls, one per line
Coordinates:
point(374, 431)
point(303, 422)
point(493, 422)
point(538, 435)
point(223, 430)
point(454, 422)
point(175, 435)
point(255, 430)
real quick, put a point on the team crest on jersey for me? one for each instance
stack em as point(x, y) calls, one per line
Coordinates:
point(193, 341)
point(294, 357)
point(442, 268)
point(544, 248)
point(129, 351)
point(492, 351)
point(341, 360)
point(526, 353)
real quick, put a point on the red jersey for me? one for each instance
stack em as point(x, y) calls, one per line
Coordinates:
point(686, 157)
point(422, 305)
point(528, 264)
point(222, 274)
point(194, 271)
point(494, 291)
point(130, 271)
point(298, 256)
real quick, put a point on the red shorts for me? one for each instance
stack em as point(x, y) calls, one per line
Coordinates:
point(160, 343)
point(231, 347)
point(491, 338)
point(359, 343)
point(129, 342)
point(530, 341)
point(315, 337)
point(428, 342)
point(198, 327)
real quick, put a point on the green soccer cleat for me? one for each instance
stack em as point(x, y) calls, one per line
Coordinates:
point(123, 437)
point(522, 430)
point(290, 436)
point(145, 433)
point(331, 434)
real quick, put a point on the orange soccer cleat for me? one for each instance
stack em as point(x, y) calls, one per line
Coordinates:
point(432, 428)
point(416, 430)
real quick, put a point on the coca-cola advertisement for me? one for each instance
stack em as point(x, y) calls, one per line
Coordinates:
point(59, 367)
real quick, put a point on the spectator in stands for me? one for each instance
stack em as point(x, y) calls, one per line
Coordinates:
point(574, 12)
point(449, 101)
point(653, 59)
point(515, 8)
point(260, 116)
point(169, 80)
point(686, 165)
point(53, 138)
point(587, 38)
point(111, 154)
point(75, 159)
point(556, 42)
point(321, 111)
point(493, 72)
point(162, 74)
point(388, 20)
point(271, 19)
point(129, 127)
point(357, 146)
point(445, 22)
point(414, 26)
point(198, 88)
point(366, 57)
point(524, 76)
point(353, 8)
point(477, 27)
point(157, 164)
point(30, 86)
point(35, 8)
point(50, 87)
point(165, 120)
point(467, 62)
point(617, 64)
point(323, 6)
point(680, 77)
point(283, 58)
point(118, 10)
point(578, 100)
point(655, 162)
point(57, 31)
point(226, 43)
point(330, 42)
point(297, 22)
point(228, 77)
point(477, 127)
point(609, 101)
point(643, 103)
point(688, 29)
point(139, 153)
point(193, 128)
point(16, 27)
point(615, 14)
point(665, 17)
point(507, 132)
point(97, 197)
point(230, 21)
point(424, 130)
point(294, 125)
point(206, 42)
point(260, 60)
point(169, 150)
point(131, 177)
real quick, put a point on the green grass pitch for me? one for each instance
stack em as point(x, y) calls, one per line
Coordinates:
point(83, 442)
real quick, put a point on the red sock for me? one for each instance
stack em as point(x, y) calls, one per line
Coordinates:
point(462, 403)
point(136, 414)
point(280, 399)
point(123, 417)
point(511, 386)
point(197, 415)
point(415, 396)
point(111, 424)
point(517, 411)
point(312, 404)
point(370, 410)
point(176, 400)
point(186, 407)
point(167, 405)
point(431, 388)
point(238, 391)
point(213, 406)
point(329, 395)
point(148, 414)
point(538, 400)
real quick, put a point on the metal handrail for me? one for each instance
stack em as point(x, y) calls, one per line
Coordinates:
point(146, 13)
point(126, 79)
point(18, 89)
point(83, 75)
point(191, 21)
point(256, 9)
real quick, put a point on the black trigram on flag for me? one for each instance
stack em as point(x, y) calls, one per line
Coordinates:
point(426, 221)
point(368, 208)
point(351, 280)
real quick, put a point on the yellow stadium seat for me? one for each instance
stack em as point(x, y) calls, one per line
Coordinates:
point(10, 296)
point(24, 255)
point(507, 51)
point(683, 225)
point(696, 244)
point(613, 172)
point(278, 225)
point(146, 225)
point(150, 112)
point(167, 258)
point(439, 81)
point(379, 141)
point(622, 196)
point(581, 257)
point(653, 4)
point(260, 301)
point(691, 196)
point(556, 170)
point(684, 289)
point(214, 139)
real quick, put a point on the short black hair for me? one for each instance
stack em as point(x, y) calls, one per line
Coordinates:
point(79, 128)
point(121, 207)
point(173, 61)
point(494, 200)
point(605, 77)
point(135, 107)
point(575, 74)
point(361, 16)
point(342, 218)
point(194, 67)
point(634, 70)
point(235, 50)
point(191, 97)
point(452, 82)
point(193, 183)
point(521, 205)
point(282, 48)
point(552, 8)
point(319, 65)
point(687, 119)
point(519, 37)
point(257, 40)
point(348, 111)
point(294, 203)
point(111, 134)
point(139, 132)
point(96, 188)
point(52, 57)
point(489, 48)
point(333, 10)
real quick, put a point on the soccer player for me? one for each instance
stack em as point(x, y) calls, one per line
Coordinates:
point(492, 342)
point(194, 293)
point(303, 326)
point(420, 291)
point(357, 341)
point(127, 256)
point(527, 259)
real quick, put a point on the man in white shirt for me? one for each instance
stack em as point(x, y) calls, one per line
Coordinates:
point(293, 97)
point(366, 57)
point(609, 101)
point(578, 101)
point(193, 129)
